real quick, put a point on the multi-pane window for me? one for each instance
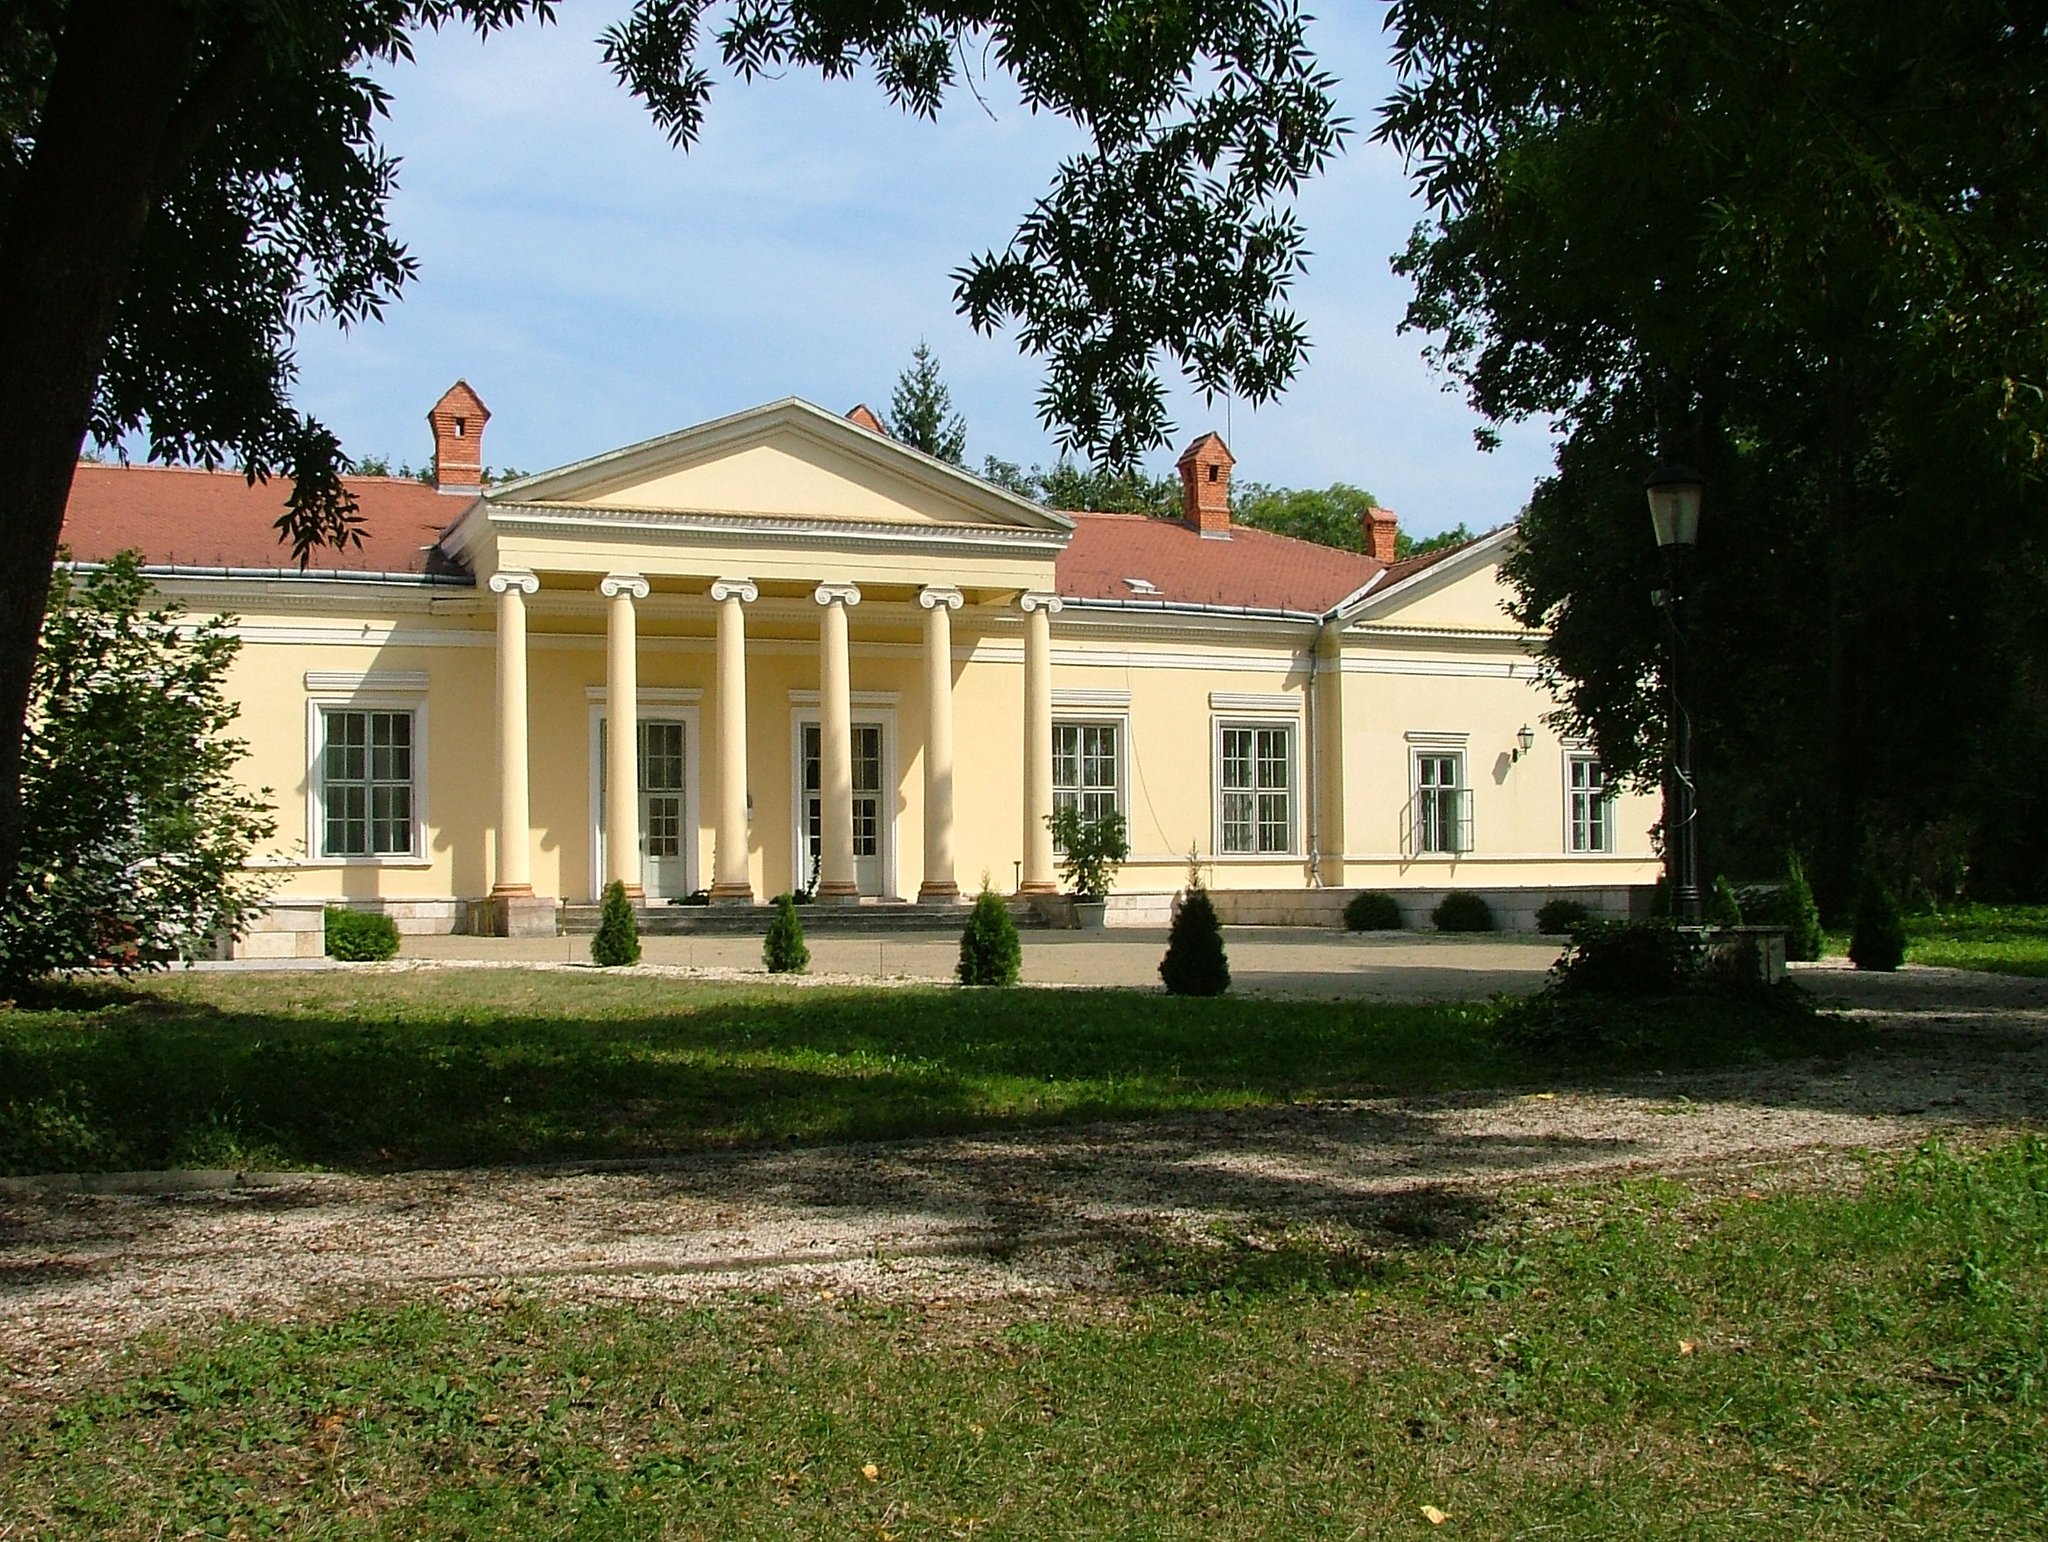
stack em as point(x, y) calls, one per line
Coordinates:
point(661, 781)
point(1258, 788)
point(1443, 804)
point(1084, 768)
point(366, 775)
point(1589, 811)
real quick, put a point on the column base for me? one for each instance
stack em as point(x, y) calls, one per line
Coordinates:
point(1038, 886)
point(634, 892)
point(945, 892)
point(516, 913)
point(838, 893)
point(732, 894)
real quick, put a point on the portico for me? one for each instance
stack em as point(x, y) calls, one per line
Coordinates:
point(845, 609)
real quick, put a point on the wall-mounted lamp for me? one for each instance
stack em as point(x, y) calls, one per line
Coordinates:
point(1524, 742)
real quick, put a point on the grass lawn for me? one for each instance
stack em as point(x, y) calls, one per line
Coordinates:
point(375, 1071)
point(1638, 1360)
point(2001, 939)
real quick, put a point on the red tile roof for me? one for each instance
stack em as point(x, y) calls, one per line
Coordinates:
point(177, 516)
point(1253, 569)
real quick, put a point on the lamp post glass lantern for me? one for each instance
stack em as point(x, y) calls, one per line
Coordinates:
point(1674, 493)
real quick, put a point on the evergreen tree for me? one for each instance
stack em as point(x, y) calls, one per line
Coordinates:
point(1195, 964)
point(1723, 908)
point(783, 950)
point(921, 412)
point(1803, 939)
point(617, 942)
point(990, 953)
point(1879, 941)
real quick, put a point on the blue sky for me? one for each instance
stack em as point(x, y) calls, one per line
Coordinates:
point(597, 287)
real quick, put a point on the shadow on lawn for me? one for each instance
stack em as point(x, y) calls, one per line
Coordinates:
point(481, 1069)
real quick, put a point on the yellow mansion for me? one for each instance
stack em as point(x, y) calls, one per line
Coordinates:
point(783, 651)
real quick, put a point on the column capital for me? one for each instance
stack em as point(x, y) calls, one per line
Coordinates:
point(932, 596)
point(841, 594)
point(1040, 599)
point(612, 585)
point(505, 580)
point(745, 590)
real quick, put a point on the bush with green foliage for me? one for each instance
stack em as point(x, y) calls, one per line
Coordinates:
point(1462, 911)
point(360, 936)
point(617, 943)
point(1372, 912)
point(1879, 940)
point(1798, 913)
point(783, 950)
point(1195, 963)
point(1558, 916)
point(990, 953)
point(1723, 908)
point(135, 831)
point(1626, 958)
point(1090, 850)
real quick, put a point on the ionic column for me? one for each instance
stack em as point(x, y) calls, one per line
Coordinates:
point(836, 884)
point(514, 875)
point(730, 881)
point(1038, 609)
point(622, 732)
point(939, 886)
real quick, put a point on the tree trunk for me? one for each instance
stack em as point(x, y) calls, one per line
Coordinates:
point(66, 252)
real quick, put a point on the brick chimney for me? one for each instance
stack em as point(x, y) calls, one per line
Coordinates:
point(1205, 486)
point(458, 420)
point(1380, 529)
point(866, 419)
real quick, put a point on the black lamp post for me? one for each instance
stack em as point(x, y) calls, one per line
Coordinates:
point(1674, 493)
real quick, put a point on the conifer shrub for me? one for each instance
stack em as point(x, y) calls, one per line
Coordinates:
point(1879, 940)
point(1723, 908)
point(1462, 911)
point(1559, 916)
point(1195, 964)
point(360, 936)
point(783, 950)
point(990, 953)
point(1372, 912)
point(617, 943)
point(1800, 915)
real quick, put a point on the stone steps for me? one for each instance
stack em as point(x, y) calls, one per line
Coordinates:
point(818, 920)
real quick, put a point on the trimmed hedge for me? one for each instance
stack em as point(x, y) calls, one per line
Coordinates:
point(1195, 963)
point(1559, 916)
point(1372, 912)
point(783, 950)
point(360, 936)
point(990, 953)
point(1879, 941)
point(1462, 911)
point(617, 943)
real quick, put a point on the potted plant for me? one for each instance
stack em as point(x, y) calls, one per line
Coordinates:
point(1090, 852)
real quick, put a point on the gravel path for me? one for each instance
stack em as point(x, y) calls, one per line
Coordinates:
point(1015, 1213)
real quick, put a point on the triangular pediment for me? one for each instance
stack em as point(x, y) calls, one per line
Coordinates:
point(788, 461)
point(1462, 591)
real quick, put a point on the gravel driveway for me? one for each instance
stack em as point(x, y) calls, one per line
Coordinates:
point(1017, 1212)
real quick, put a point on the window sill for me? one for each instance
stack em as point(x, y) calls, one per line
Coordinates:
point(319, 862)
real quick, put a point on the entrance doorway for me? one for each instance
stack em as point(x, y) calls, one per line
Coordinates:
point(668, 866)
point(871, 822)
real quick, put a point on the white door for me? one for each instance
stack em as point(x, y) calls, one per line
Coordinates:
point(870, 826)
point(663, 871)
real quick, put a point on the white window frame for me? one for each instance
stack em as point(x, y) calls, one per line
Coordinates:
point(392, 694)
point(1571, 796)
point(1288, 723)
point(672, 705)
point(1121, 722)
point(1463, 816)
